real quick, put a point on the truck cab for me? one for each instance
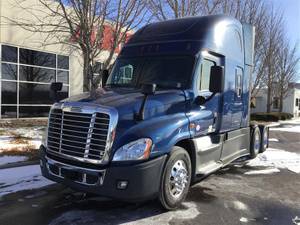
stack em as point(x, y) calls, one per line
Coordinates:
point(174, 109)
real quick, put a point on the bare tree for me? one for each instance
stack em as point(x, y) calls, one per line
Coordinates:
point(287, 71)
point(173, 9)
point(126, 16)
point(81, 24)
point(274, 36)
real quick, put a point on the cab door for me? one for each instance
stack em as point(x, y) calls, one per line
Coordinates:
point(209, 112)
point(205, 119)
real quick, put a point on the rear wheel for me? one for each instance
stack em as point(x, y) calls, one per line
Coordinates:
point(255, 144)
point(264, 139)
point(176, 179)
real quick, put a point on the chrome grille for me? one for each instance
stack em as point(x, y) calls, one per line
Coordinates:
point(82, 135)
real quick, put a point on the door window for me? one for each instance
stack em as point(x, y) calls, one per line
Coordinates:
point(205, 74)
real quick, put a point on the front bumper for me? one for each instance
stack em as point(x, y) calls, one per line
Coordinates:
point(143, 179)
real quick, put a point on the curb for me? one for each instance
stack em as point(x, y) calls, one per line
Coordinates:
point(19, 164)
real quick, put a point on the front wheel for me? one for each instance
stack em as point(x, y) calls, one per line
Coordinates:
point(176, 179)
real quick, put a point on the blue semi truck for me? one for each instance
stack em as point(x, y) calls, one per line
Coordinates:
point(174, 109)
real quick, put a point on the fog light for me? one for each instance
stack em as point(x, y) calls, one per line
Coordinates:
point(122, 184)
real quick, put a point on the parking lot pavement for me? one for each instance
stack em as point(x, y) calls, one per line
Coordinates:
point(237, 194)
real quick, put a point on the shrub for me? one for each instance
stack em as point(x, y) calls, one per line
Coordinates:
point(271, 117)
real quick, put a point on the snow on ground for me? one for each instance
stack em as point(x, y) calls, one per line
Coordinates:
point(21, 178)
point(273, 140)
point(11, 159)
point(240, 205)
point(276, 159)
point(296, 220)
point(19, 139)
point(264, 171)
point(287, 128)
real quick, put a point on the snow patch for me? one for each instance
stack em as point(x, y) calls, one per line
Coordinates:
point(21, 138)
point(240, 205)
point(190, 212)
point(273, 140)
point(277, 158)
point(244, 220)
point(10, 145)
point(296, 220)
point(289, 128)
point(265, 171)
point(21, 178)
point(11, 159)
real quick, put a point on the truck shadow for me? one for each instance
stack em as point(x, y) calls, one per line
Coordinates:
point(89, 209)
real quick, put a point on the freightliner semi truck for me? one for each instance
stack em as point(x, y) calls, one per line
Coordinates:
point(174, 109)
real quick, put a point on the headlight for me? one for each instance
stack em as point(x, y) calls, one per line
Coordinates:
point(136, 150)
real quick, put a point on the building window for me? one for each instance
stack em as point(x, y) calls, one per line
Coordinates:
point(297, 101)
point(275, 103)
point(37, 58)
point(9, 54)
point(63, 62)
point(26, 76)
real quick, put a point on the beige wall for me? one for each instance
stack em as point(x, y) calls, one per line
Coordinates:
point(288, 103)
point(15, 35)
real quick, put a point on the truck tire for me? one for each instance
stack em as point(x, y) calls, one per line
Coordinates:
point(255, 142)
point(264, 139)
point(176, 179)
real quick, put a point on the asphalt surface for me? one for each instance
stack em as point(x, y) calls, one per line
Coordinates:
point(228, 197)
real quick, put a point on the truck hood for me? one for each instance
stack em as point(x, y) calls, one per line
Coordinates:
point(127, 101)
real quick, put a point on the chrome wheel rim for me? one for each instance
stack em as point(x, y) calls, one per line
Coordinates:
point(257, 143)
point(178, 178)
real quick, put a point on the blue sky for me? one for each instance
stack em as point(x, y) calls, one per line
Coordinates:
point(291, 10)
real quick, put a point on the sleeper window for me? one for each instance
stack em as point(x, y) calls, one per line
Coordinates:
point(238, 81)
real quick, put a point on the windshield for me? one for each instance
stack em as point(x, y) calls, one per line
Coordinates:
point(165, 72)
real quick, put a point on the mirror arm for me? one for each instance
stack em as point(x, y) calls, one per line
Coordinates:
point(140, 115)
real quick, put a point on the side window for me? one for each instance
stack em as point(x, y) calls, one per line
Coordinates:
point(124, 75)
point(238, 81)
point(205, 74)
